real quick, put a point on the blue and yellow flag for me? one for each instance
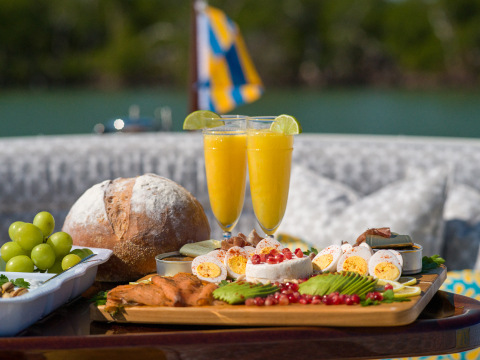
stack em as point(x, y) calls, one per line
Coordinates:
point(226, 74)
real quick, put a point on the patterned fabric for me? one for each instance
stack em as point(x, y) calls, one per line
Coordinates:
point(51, 172)
point(413, 207)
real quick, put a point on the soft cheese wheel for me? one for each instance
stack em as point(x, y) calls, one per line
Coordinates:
point(355, 259)
point(385, 265)
point(137, 218)
point(296, 268)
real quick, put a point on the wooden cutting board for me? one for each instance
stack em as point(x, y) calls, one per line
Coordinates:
point(394, 314)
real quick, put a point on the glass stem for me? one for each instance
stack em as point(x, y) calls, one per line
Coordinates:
point(227, 235)
point(270, 236)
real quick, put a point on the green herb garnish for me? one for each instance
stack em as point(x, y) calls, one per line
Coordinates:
point(223, 283)
point(388, 298)
point(17, 282)
point(100, 298)
point(312, 250)
point(429, 263)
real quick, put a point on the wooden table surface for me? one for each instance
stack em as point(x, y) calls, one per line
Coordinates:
point(450, 323)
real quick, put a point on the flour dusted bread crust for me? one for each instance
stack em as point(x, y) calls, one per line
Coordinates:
point(137, 218)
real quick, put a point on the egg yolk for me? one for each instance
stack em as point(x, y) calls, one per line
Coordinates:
point(386, 271)
point(208, 270)
point(266, 250)
point(322, 261)
point(356, 264)
point(237, 264)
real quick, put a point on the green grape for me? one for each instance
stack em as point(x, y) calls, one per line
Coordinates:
point(56, 268)
point(70, 260)
point(88, 251)
point(11, 249)
point(80, 252)
point(20, 263)
point(61, 243)
point(12, 230)
point(43, 256)
point(45, 222)
point(28, 236)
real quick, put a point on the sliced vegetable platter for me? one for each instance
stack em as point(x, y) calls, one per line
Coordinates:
point(393, 314)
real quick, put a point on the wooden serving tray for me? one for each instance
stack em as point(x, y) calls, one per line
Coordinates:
point(394, 314)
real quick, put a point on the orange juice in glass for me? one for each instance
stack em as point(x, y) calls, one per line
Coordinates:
point(225, 149)
point(269, 164)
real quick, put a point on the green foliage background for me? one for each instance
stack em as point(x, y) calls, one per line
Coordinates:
point(115, 43)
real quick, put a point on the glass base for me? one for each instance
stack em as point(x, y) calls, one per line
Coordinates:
point(227, 235)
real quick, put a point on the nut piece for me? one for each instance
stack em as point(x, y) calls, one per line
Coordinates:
point(8, 287)
point(6, 295)
point(19, 292)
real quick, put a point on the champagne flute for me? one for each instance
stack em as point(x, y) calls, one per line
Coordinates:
point(225, 149)
point(269, 165)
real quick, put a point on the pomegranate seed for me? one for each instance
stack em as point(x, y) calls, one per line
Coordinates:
point(349, 301)
point(370, 295)
point(303, 301)
point(276, 283)
point(298, 253)
point(316, 302)
point(271, 260)
point(291, 298)
point(388, 287)
point(273, 252)
point(279, 257)
point(287, 291)
point(276, 295)
point(269, 302)
point(297, 295)
point(288, 255)
point(329, 301)
point(308, 297)
point(255, 259)
point(324, 298)
point(378, 296)
point(355, 298)
point(283, 300)
point(342, 298)
point(259, 301)
point(262, 258)
point(317, 297)
point(293, 286)
point(250, 302)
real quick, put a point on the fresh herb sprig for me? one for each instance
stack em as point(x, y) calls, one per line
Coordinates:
point(223, 283)
point(312, 250)
point(100, 298)
point(388, 298)
point(429, 263)
point(21, 283)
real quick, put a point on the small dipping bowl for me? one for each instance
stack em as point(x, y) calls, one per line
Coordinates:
point(170, 268)
point(412, 259)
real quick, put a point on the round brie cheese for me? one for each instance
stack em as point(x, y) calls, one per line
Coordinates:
point(296, 268)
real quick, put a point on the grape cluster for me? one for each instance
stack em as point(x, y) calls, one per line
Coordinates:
point(34, 245)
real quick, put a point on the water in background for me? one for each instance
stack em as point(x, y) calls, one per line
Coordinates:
point(354, 111)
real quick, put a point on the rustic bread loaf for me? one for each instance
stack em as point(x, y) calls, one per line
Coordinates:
point(137, 218)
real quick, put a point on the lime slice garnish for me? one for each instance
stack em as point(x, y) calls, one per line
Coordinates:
point(202, 119)
point(396, 285)
point(408, 291)
point(286, 124)
point(407, 280)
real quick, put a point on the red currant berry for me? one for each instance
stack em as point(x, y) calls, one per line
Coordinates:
point(377, 296)
point(250, 302)
point(349, 301)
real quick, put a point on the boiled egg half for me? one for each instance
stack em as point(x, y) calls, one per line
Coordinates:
point(355, 259)
point(236, 261)
point(267, 245)
point(218, 254)
point(327, 259)
point(209, 268)
point(385, 265)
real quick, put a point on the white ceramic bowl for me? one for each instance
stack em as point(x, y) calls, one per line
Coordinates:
point(20, 312)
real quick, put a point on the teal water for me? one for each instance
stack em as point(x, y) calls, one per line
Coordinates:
point(353, 111)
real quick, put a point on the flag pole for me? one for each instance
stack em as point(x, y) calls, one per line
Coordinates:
point(193, 67)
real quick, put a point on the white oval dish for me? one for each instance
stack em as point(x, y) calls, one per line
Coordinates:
point(20, 312)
